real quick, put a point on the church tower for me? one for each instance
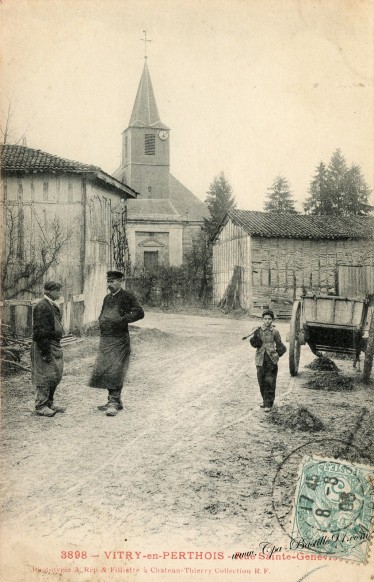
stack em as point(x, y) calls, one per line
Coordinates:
point(166, 217)
point(146, 145)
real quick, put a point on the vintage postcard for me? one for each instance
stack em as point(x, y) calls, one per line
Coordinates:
point(187, 290)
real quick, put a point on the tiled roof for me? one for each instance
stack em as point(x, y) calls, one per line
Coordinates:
point(21, 159)
point(269, 224)
point(16, 158)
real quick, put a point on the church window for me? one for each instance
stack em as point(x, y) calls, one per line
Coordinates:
point(150, 144)
point(70, 192)
point(126, 146)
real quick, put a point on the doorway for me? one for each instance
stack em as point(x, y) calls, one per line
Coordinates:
point(150, 260)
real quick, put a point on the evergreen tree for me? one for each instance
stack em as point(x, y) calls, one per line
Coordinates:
point(280, 197)
point(356, 193)
point(219, 200)
point(319, 201)
point(338, 190)
point(337, 171)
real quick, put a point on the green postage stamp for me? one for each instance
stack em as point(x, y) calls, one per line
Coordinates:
point(334, 509)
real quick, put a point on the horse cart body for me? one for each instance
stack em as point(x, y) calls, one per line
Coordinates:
point(332, 324)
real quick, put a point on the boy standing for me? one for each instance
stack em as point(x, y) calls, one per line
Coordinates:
point(270, 348)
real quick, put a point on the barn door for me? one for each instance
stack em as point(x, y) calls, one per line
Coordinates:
point(355, 281)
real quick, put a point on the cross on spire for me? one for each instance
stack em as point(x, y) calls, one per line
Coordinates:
point(145, 40)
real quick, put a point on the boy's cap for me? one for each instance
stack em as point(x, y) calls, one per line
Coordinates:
point(268, 312)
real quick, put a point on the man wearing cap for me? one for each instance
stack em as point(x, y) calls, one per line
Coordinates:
point(270, 348)
point(120, 307)
point(46, 354)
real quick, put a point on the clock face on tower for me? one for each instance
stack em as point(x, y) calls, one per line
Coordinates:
point(163, 135)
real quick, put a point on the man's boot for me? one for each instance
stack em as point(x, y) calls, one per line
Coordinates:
point(104, 407)
point(52, 406)
point(112, 409)
point(114, 401)
point(42, 401)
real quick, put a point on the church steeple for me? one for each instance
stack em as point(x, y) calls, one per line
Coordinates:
point(145, 112)
point(146, 145)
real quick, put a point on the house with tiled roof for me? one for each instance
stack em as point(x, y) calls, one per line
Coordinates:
point(263, 259)
point(166, 216)
point(48, 199)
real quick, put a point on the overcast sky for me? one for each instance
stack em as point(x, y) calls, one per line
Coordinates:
point(255, 88)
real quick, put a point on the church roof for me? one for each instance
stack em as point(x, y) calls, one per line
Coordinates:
point(152, 209)
point(187, 204)
point(183, 201)
point(145, 112)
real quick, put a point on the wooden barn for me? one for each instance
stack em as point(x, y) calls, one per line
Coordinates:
point(262, 259)
point(58, 214)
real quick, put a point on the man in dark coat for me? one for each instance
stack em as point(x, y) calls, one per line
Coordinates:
point(120, 308)
point(46, 354)
point(270, 348)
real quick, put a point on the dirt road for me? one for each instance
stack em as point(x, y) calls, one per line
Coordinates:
point(192, 458)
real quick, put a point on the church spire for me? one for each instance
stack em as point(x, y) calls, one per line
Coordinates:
point(145, 112)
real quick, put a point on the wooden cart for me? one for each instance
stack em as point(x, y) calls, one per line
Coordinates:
point(333, 324)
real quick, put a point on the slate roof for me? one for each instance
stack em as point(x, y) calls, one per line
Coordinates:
point(266, 224)
point(187, 204)
point(184, 203)
point(145, 112)
point(22, 159)
point(148, 209)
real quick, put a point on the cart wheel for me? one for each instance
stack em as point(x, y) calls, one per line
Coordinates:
point(294, 351)
point(369, 352)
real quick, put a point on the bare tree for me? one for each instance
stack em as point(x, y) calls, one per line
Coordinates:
point(22, 272)
point(198, 267)
point(7, 129)
point(120, 245)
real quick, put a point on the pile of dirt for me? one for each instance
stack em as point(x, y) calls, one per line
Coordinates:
point(296, 417)
point(331, 382)
point(323, 364)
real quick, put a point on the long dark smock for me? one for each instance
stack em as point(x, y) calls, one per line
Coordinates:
point(114, 349)
point(47, 333)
